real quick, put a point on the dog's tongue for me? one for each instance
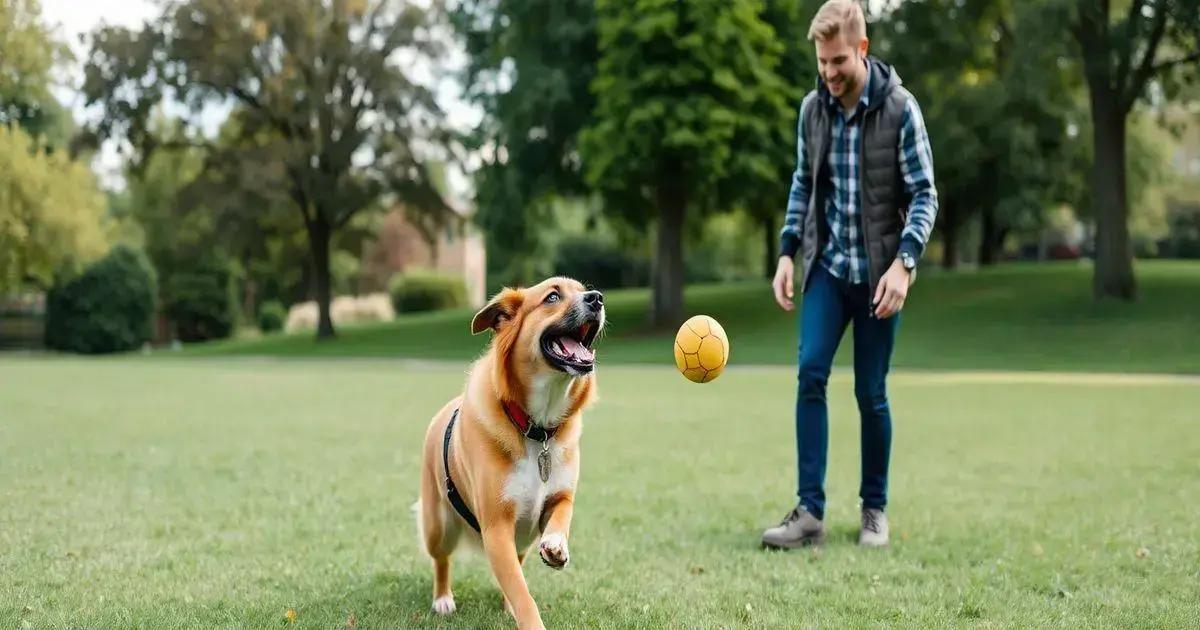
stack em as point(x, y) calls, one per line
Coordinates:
point(575, 349)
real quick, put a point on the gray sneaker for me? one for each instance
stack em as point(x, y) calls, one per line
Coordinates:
point(798, 529)
point(874, 532)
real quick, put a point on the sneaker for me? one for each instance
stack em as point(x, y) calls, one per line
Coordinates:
point(798, 529)
point(874, 532)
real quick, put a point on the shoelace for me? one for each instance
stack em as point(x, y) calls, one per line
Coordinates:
point(792, 516)
point(870, 521)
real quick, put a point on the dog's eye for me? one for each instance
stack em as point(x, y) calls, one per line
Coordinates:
point(553, 297)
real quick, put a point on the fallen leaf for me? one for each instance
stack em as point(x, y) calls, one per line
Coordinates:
point(904, 535)
point(1143, 553)
point(1037, 550)
point(697, 570)
point(290, 615)
point(351, 622)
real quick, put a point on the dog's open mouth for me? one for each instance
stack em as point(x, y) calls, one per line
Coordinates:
point(570, 350)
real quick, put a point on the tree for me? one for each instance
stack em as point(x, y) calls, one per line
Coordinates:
point(679, 86)
point(764, 195)
point(998, 113)
point(51, 213)
point(1152, 42)
point(322, 79)
point(530, 65)
point(28, 54)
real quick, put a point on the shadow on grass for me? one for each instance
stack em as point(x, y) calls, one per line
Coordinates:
point(402, 600)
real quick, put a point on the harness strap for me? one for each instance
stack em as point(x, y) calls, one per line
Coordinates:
point(456, 499)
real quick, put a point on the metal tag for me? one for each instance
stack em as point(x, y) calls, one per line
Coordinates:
point(544, 462)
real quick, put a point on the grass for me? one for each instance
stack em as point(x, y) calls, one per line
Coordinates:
point(220, 494)
point(1017, 317)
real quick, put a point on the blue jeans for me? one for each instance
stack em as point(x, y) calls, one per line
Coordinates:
point(828, 305)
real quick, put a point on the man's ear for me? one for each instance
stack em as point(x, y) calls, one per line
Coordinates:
point(502, 307)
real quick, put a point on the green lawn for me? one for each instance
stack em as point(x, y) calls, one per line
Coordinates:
point(1016, 317)
point(221, 493)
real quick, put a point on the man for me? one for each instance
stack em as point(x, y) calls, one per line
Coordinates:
point(860, 211)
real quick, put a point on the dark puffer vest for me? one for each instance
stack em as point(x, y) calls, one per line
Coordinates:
point(884, 200)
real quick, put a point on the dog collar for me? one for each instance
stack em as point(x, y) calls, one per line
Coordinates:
point(521, 420)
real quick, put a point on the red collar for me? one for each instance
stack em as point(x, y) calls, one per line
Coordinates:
point(524, 424)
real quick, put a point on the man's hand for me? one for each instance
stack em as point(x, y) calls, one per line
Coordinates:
point(783, 283)
point(892, 291)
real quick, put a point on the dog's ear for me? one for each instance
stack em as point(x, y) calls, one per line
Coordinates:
point(501, 308)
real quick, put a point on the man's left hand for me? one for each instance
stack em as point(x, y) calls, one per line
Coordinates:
point(892, 291)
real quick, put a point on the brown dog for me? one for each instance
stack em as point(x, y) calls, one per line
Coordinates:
point(501, 461)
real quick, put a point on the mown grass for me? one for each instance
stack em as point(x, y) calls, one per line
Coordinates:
point(222, 493)
point(1014, 317)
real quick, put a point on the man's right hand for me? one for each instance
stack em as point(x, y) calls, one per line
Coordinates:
point(783, 283)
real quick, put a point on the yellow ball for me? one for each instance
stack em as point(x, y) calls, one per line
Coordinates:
point(701, 349)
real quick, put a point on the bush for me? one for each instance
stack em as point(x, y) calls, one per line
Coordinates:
point(107, 308)
point(424, 290)
point(599, 264)
point(202, 302)
point(271, 316)
point(344, 309)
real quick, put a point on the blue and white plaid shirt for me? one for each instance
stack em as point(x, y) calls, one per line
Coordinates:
point(845, 254)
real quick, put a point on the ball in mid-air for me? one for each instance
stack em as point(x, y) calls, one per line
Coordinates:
point(701, 349)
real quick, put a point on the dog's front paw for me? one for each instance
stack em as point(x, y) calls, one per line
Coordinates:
point(553, 550)
point(444, 605)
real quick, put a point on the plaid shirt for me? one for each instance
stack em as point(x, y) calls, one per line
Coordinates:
point(845, 254)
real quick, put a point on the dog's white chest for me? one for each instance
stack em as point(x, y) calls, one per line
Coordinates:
point(525, 488)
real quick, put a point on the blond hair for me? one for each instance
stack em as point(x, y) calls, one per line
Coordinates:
point(835, 17)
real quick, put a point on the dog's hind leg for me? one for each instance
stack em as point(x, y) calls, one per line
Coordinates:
point(439, 538)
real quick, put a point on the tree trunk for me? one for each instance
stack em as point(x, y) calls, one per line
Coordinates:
point(770, 257)
point(949, 237)
point(1112, 276)
point(319, 235)
point(667, 305)
point(989, 236)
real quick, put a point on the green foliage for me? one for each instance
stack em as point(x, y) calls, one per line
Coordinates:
point(600, 263)
point(51, 213)
point(417, 290)
point(201, 301)
point(271, 316)
point(679, 86)
point(29, 52)
point(108, 308)
point(530, 65)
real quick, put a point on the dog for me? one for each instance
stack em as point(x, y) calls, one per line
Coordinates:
point(501, 460)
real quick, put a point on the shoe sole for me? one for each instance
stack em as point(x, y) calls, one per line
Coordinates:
point(812, 541)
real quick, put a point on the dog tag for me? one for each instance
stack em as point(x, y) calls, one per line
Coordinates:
point(544, 461)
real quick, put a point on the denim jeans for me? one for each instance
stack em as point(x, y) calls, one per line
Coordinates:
point(828, 305)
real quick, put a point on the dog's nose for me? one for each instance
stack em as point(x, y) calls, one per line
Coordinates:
point(594, 300)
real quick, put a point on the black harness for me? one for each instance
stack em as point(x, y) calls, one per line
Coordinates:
point(456, 499)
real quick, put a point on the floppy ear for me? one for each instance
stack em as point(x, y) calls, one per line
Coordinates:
point(502, 307)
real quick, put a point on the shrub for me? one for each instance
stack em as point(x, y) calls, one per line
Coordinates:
point(424, 290)
point(202, 302)
point(271, 316)
point(599, 264)
point(375, 307)
point(107, 308)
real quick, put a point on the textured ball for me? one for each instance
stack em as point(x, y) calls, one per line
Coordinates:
point(701, 349)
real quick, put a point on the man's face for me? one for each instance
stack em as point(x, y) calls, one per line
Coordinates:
point(840, 64)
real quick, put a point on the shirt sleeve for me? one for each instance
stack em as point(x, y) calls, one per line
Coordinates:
point(797, 203)
point(916, 165)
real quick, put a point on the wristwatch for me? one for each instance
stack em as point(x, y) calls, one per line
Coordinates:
point(908, 261)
